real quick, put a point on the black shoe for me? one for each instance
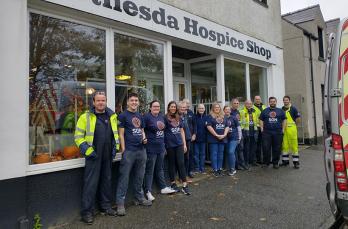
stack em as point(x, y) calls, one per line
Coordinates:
point(110, 212)
point(88, 219)
point(254, 164)
point(265, 166)
point(191, 175)
point(296, 165)
point(215, 173)
point(276, 166)
point(186, 190)
point(284, 164)
point(221, 173)
point(175, 187)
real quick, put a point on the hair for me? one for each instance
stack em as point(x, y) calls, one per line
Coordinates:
point(169, 115)
point(286, 96)
point(272, 97)
point(98, 93)
point(181, 103)
point(235, 99)
point(225, 107)
point(152, 102)
point(220, 115)
point(132, 94)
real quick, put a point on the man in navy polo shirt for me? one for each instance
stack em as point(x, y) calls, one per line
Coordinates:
point(272, 124)
point(132, 140)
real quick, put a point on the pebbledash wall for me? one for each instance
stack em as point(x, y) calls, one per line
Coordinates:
point(244, 31)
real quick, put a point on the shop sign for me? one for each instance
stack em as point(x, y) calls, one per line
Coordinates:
point(159, 17)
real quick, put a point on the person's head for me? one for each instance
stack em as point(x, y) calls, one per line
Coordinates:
point(216, 111)
point(248, 104)
point(235, 104)
point(200, 108)
point(227, 110)
point(172, 108)
point(272, 102)
point(155, 107)
point(132, 101)
point(257, 99)
point(188, 104)
point(286, 100)
point(182, 107)
point(99, 101)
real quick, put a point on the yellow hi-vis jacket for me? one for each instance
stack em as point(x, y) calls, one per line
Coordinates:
point(84, 132)
point(244, 118)
point(259, 111)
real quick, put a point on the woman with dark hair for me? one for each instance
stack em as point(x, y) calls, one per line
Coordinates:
point(154, 130)
point(218, 130)
point(176, 147)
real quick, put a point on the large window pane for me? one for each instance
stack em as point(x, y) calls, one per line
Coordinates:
point(235, 80)
point(67, 64)
point(138, 68)
point(258, 82)
point(203, 76)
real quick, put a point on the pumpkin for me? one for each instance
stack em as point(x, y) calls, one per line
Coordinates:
point(57, 158)
point(41, 158)
point(70, 152)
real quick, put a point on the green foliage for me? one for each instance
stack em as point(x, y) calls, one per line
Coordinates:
point(37, 222)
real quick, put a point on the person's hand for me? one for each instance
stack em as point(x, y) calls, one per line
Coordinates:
point(121, 150)
point(92, 156)
point(185, 149)
point(144, 141)
point(193, 138)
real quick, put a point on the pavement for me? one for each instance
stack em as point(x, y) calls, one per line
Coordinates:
point(260, 198)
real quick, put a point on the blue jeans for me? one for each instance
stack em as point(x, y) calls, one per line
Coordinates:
point(231, 152)
point(154, 167)
point(216, 155)
point(130, 159)
point(200, 156)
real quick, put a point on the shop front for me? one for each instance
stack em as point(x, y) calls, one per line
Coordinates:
point(73, 48)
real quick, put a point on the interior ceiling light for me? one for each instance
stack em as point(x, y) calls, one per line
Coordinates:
point(123, 77)
point(90, 91)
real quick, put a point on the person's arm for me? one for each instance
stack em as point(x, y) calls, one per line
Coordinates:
point(144, 136)
point(283, 125)
point(212, 131)
point(122, 143)
point(298, 120)
point(227, 129)
point(239, 133)
point(261, 125)
point(194, 128)
point(183, 138)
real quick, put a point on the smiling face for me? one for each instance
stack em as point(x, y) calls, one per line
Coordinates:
point(182, 108)
point(201, 109)
point(273, 103)
point(286, 101)
point(216, 109)
point(172, 109)
point(248, 104)
point(99, 102)
point(155, 108)
point(227, 111)
point(133, 103)
point(235, 104)
point(257, 100)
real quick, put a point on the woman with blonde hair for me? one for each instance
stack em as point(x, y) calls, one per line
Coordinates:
point(217, 132)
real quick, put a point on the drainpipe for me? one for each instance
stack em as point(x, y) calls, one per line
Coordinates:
point(310, 37)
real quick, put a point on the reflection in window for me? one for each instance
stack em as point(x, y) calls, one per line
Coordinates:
point(67, 64)
point(258, 82)
point(138, 68)
point(235, 80)
point(203, 82)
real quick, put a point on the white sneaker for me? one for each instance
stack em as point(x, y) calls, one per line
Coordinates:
point(167, 190)
point(150, 196)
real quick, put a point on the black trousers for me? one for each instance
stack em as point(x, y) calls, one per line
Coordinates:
point(176, 159)
point(271, 144)
point(97, 177)
point(259, 156)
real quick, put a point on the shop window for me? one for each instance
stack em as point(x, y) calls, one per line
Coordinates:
point(235, 81)
point(258, 82)
point(139, 69)
point(203, 82)
point(66, 65)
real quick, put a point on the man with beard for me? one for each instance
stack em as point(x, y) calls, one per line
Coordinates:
point(272, 124)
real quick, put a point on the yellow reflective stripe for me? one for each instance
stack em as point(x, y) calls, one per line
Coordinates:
point(88, 122)
point(79, 129)
point(79, 136)
point(89, 151)
point(89, 134)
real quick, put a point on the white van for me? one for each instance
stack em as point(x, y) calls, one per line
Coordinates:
point(336, 121)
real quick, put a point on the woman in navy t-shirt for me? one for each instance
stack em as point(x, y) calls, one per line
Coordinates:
point(233, 138)
point(217, 133)
point(154, 130)
point(175, 143)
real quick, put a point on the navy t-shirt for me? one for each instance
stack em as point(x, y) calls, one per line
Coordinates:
point(232, 123)
point(172, 132)
point(219, 125)
point(235, 113)
point(293, 112)
point(132, 124)
point(154, 131)
point(272, 119)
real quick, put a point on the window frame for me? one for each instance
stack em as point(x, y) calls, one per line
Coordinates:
point(262, 2)
point(34, 169)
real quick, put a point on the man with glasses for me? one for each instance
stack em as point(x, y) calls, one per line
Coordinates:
point(240, 163)
point(132, 139)
point(97, 137)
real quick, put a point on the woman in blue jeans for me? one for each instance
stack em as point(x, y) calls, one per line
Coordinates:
point(233, 138)
point(154, 130)
point(217, 137)
point(201, 138)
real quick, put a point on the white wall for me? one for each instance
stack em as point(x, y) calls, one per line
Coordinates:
point(13, 90)
point(276, 81)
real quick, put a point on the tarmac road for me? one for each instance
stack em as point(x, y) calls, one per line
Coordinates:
point(260, 198)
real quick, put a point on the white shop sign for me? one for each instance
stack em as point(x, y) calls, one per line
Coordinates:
point(168, 20)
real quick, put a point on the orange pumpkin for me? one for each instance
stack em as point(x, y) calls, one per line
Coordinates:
point(41, 158)
point(70, 152)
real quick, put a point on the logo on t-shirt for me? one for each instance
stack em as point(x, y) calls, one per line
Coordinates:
point(220, 125)
point(272, 114)
point(160, 125)
point(272, 117)
point(136, 122)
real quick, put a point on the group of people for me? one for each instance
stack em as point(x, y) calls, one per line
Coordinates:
point(182, 137)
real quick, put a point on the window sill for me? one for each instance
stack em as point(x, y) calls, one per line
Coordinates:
point(60, 165)
point(261, 3)
point(321, 58)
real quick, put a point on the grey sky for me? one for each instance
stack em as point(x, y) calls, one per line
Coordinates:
point(330, 8)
